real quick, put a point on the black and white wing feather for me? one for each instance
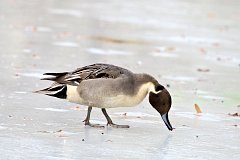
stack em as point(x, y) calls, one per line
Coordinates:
point(93, 71)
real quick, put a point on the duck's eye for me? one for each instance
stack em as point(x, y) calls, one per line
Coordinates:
point(159, 88)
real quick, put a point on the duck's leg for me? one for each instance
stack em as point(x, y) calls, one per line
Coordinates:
point(110, 121)
point(87, 123)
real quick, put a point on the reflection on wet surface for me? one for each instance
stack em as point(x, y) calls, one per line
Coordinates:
point(191, 48)
point(108, 52)
point(66, 44)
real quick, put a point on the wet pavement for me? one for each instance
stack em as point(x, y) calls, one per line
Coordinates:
point(191, 47)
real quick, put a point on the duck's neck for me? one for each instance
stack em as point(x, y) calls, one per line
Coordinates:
point(145, 83)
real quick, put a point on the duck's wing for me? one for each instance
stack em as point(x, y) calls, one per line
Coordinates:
point(93, 71)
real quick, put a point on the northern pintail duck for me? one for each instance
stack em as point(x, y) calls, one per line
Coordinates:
point(108, 86)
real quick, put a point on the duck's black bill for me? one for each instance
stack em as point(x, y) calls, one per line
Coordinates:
point(166, 121)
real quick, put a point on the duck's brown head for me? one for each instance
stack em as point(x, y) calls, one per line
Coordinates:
point(162, 103)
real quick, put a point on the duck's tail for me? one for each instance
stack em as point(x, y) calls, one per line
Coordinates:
point(56, 90)
point(55, 76)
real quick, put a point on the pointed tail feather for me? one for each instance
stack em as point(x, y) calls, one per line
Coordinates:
point(55, 76)
point(50, 78)
point(57, 90)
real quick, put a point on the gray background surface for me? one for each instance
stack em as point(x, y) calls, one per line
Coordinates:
point(193, 46)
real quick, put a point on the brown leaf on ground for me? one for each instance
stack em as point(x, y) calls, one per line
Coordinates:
point(59, 130)
point(202, 50)
point(124, 114)
point(120, 41)
point(44, 131)
point(197, 108)
point(170, 49)
point(109, 140)
point(234, 114)
point(62, 136)
point(77, 108)
point(203, 70)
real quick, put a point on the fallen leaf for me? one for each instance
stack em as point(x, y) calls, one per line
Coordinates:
point(109, 140)
point(34, 29)
point(165, 49)
point(234, 114)
point(170, 49)
point(197, 108)
point(43, 131)
point(120, 41)
point(63, 136)
point(59, 130)
point(203, 50)
point(203, 70)
point(124, 114)
point(77, 108)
